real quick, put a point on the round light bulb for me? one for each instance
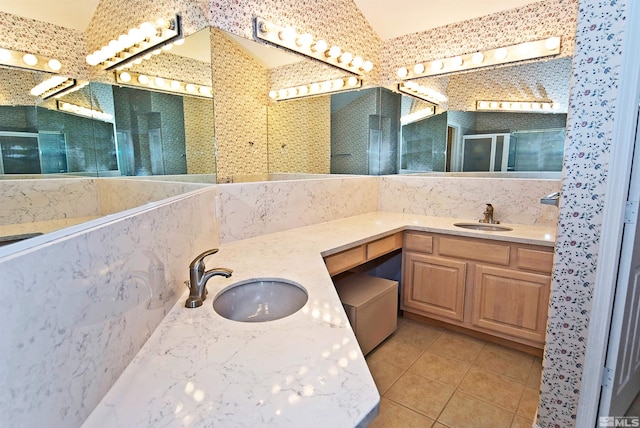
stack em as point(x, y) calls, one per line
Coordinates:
point(477, 58)
point(92, 59)
point(287, 34)
point(535, 106)
point(292, 92)
point(162, 23)
point(345, 58)
point(108, 52)
point(357, 62)
point(54, 64)
point(175, 85)
point(125, 77)
point(334, 52)
point(137, 61)
point(437, 65)
point(115, 45)
point(546, 106)
point(493, 105)
point(273, 95)
point(148, 29)
point(484, 104)
point(125, 41)
point(303, 90)
point(204, 91)
point(457, 61)
point(402, 72)
point(135, 35)
point(143, 79)
point(5, 55)
point(314, 88)
point(159, 82)
point(338, 84)
point(325, 86)
point(179, 42)
point(352, 81)
point(320, 46)
point(190, 88)
point(304, 41)
point(418, 68)
point(552, 43)
point(30, 59)
point(500, 54)
point(367, 66)
point(282, 93)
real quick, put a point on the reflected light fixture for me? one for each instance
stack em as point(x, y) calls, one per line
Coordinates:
point(53, 86)
point(316, 88)
point(517, 106)
point(520, 52)
point(422, 92)
point(137, 44)
point(304, 44)
point(83, 111)
point(29, 61)
point(418, 115)
point(161, 84)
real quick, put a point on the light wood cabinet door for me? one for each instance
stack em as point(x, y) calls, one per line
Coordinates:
point(434, 285)
point(511, 302)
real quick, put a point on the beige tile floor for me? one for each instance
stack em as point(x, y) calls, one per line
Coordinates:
point(431, 377)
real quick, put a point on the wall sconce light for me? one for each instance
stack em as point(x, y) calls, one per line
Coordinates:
point(83, 111)
point(418, 115)
point(421, 92)
point(29, 61)
point(507, 54)
point(161, 84)
point(517, 106)
point(150, 38)
point(306, 45)
point(53, 86)
point(316, 88)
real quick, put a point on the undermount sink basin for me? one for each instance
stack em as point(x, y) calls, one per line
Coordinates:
point(483, 226)
point(260, 300)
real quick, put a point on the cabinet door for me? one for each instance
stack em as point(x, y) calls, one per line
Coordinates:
point(433, 285)
point(511, 302)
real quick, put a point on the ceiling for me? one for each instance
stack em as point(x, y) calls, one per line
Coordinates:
point(388, 18)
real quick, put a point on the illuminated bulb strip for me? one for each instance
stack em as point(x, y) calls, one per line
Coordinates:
point(316, 88)
point(421, 92)
point(520, 52)
point(83, 111)
point(29, 61)
point(138, 44)
point(52, 86)
point(305, 44)
point(171, 86)
point(519, 106)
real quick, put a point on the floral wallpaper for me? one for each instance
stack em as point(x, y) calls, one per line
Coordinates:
point(591, 120)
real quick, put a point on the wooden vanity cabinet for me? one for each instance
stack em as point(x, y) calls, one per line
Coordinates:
point(493, 287)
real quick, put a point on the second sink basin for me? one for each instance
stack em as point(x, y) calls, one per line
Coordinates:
point(483, 226)
point(260, 300)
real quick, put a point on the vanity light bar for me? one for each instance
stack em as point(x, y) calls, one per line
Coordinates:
point(306, 45)
point(520, 52)
point(422, 92)
point(29, 61)
point(52, 86)
point(316, 88)
point(83, 111)
point(519, 106)
point(161, 84)
point(150, 38)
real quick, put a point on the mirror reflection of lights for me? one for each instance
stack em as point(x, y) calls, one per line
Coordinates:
point(161, 84)
point(178, 408)
point(293, 398)
point(308, 390)
point(276, 388)
point(315, 88)
point(198, 395)
point(519, 106)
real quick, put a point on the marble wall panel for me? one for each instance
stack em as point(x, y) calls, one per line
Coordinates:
point(514, 200)
point(254, 209)
point(74, 322)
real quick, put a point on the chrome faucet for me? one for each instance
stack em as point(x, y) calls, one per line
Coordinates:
point(488, 216)
point(198, 278)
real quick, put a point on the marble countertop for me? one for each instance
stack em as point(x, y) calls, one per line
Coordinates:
point(199, 369)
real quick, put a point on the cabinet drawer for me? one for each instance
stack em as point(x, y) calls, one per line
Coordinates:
point(384, 246)
point(536, 260)
point(474, 250)
point(345, 260)
point(418, 242)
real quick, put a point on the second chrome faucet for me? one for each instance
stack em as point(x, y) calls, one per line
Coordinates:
point(198, 277)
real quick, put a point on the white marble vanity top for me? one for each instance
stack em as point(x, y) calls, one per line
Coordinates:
point(201, 370)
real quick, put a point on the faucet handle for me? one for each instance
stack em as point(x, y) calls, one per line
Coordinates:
point(195, 264)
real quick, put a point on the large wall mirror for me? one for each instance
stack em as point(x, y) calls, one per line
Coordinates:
point(107, 129)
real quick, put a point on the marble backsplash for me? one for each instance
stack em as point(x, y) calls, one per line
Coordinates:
point(254, 209)
point(514, 200)
point(78, 308)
